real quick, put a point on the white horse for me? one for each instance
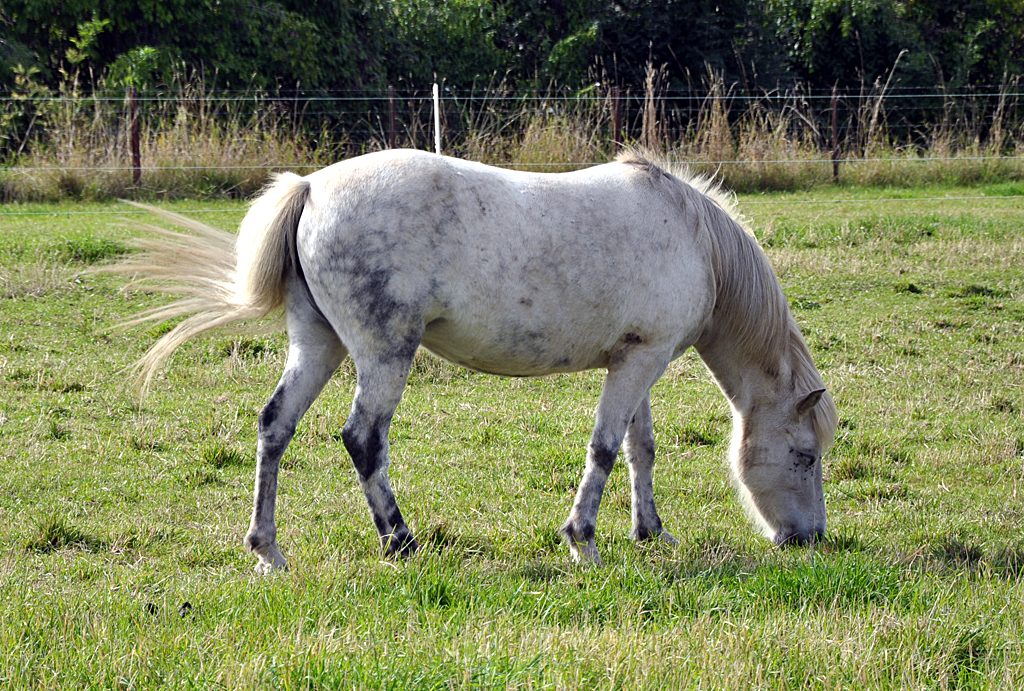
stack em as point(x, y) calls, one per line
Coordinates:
point(622, 266)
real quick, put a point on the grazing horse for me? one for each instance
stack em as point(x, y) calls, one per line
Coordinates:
point(622, 266)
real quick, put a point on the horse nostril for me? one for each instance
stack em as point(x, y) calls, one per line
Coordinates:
point(785, 538)
point(789, 538)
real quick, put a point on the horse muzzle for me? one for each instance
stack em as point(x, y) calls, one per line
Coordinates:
point(786, 537)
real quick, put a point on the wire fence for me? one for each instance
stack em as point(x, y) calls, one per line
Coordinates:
point(540, 164)
point(903, 111)
point(745, 202)
point(714, 128)
point(592, 92)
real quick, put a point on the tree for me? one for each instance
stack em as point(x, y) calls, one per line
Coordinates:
point(319, 43)
point(973, 42)
point(454, 41)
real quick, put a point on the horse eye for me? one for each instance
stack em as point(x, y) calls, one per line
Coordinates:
point(805, 457)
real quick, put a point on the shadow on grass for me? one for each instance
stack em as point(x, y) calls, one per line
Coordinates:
point(961, 551)
point(441, 538)
point(53, 532)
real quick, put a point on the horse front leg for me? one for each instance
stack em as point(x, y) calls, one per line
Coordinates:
point(624, 388)
point(314, 353)
point(639, 447)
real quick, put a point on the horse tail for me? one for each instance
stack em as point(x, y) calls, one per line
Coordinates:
point(223, 279)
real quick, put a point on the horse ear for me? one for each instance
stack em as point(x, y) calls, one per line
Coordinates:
point(808, 402)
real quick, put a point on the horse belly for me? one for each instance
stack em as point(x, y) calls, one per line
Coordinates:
point(532, 338)
point(514, 353)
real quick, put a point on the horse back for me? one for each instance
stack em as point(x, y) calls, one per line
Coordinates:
point(508, 272)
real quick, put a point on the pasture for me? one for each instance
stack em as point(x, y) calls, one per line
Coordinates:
point(121, 522)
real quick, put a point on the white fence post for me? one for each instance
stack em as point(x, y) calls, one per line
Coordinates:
point(437, 120)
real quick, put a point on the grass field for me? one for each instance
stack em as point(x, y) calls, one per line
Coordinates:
point(121, 523)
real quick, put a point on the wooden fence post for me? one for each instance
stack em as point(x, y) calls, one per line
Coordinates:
point(391, 117)
point(134, 135)
point(835, 136)
point(616, 118)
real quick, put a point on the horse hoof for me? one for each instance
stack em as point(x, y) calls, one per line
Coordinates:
point(408, 549)
point(263, 568)
point(585, 554)
point(394, 548)
point(271, 562)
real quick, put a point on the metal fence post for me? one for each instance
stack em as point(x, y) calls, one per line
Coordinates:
point(437, 119)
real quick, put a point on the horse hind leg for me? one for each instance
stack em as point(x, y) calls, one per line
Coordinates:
point(639, 447)
point(314, 353)
point(379, 386)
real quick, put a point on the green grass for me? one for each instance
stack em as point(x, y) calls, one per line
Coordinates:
point(121, 523)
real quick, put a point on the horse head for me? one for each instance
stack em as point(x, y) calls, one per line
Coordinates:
point(776, 460)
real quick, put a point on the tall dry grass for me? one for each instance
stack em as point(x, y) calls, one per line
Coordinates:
point(196, 145)
point(788, 146)
point(548, 133)
point(191, 145)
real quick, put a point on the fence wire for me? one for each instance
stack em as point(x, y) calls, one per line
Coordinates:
point(743, 202)
point(548, 164)
point(834, 121)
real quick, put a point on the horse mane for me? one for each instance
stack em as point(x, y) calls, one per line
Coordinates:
point(751, 312)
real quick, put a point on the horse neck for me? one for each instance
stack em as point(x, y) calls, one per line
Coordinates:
point(747, 343)
point(744, 374)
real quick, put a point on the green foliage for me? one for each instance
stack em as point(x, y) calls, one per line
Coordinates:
point(444, 41)
point(83, 46)
point(134, 68)
point(220, 456)
point(688, 37)
point(572, 57)
point(25, 110)
point(54, 531)
point(266, 43)
point(89, 249)
point(851, 42)
point(322, 44)
point(840, 42)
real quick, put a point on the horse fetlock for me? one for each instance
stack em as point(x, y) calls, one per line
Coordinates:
point(579, 535)
point(259, 541)
point(646, 528)
point(264, 546)
point(400, 544)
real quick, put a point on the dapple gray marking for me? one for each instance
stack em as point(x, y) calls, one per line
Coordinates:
point(626, 385)
point(640, 450)
point(379, 386)
point(314, 353)
point(623, 266)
